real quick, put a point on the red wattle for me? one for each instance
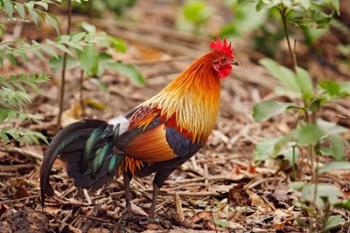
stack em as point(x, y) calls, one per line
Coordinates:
point(224, 72)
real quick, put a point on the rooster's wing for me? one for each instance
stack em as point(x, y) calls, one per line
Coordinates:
point(151, 138)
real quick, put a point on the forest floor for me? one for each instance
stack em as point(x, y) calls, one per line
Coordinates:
point(220, 190)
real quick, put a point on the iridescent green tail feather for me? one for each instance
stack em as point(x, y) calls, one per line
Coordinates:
point(87, 147)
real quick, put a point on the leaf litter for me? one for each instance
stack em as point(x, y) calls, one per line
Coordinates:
point(220, 190)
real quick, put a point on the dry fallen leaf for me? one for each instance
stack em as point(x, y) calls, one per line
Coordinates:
point(258, 201)
point(178, 207)
point(279, 220)
point(238, 196)
point(138, 210)
point(204, 215)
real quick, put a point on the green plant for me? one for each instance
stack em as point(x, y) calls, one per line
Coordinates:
point(307, 101)
point(318, 201)
point(15, 89)
point(14, 97)
point(95, 58)
point(97, 8)
point(194, 16)
point(312, 17)
point(245, 18)
point(303, 14)
point(312, 136)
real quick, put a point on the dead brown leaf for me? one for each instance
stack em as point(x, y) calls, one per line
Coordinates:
point(258, 201)
point(238, 196)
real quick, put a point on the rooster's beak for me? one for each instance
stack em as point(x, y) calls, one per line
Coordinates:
point(235, 63)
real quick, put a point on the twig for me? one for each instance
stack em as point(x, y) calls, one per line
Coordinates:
point(206, 176)
point(261, 181)
point(64, 67)
point(81, 93)
point(268, 202)
point(18, 200)
point(188, 194)
point(15, 167)
point(283, 13)
point(192, 180)
point(87, 196)
point(32, 154)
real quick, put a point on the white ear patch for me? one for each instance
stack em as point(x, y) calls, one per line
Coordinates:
point(122, 121)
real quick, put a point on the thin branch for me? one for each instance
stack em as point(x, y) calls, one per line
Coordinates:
point(27, 153)
point(64, 67)
point(81, 93)
point(283, 13)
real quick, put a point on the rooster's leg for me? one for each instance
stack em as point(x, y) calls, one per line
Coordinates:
point(127, 178)
point(158, 182)
point(154, 201)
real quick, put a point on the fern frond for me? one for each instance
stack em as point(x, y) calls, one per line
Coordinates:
point(30, 11)
point(23, 136)
point(13, 50)
point(23, 81)
point(9, 115)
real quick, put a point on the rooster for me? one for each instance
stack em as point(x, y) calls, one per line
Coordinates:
point(157, 136)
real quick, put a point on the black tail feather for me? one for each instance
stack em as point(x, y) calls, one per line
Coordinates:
point(70, 144)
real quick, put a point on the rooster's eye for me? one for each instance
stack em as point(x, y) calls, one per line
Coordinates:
point(223, 60)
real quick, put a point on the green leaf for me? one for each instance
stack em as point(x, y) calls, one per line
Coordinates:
point(309, 135)
point(53, 21)
point(118, 44)
point(34, 15)
point(305, 83)
point(305, 4)
point(246, 20)
point(196, 11)
point(268, 108)
point(327, 191)
point(88, 28)
point(331, 87)
point(104, 61)
point(24, 136)
point(56, 64)
point(292, 156)
point(282, 74)
point(3, 114)
point(316, 103)
point(338, 165)
point(8, 7)
point(265, 148)
point(345, 88)
point(127, 70)
point(20, 9)
point(89, 60)
point(336, 149)
point(335, 4)
point(338, 146)
point(334, 221)
point(345, 204)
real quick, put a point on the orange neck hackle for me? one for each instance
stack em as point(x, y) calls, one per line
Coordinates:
point(193, 97)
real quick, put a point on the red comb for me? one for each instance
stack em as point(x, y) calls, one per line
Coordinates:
point(222, 46)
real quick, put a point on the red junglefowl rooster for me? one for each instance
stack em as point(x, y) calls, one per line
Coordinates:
point(157, 136)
